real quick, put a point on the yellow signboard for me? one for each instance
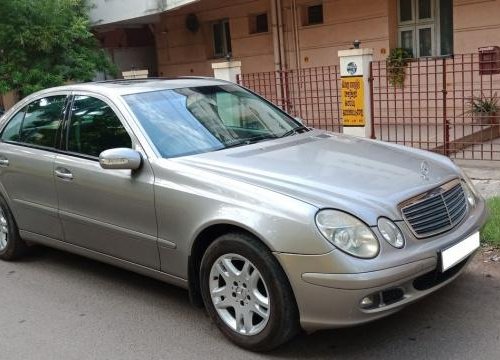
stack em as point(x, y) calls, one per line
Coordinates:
point(352, 99)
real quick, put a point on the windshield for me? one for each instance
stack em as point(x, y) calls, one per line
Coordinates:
point(190, 121)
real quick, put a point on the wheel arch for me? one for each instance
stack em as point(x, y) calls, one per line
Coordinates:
point(200, 244)
point(8, 201)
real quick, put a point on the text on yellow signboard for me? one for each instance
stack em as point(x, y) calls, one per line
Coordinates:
point(352, 99)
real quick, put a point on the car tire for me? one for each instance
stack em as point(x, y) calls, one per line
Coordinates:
point(265, 329)
point(11, 245)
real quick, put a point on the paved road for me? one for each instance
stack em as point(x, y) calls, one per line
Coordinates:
point(59, 306)
point(485, 175)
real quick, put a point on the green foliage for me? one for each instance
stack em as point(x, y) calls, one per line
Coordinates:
point(490, 233)
point(396, 66)
point(47, 43)
point(483, 104)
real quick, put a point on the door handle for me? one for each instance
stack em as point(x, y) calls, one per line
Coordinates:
point(63, 173)
point(4, 162)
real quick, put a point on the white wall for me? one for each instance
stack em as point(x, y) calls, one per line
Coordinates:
point(111, 11)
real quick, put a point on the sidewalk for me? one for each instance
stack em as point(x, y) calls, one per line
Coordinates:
point(484, 174)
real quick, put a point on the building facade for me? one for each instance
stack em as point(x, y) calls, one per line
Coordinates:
point(186, 37)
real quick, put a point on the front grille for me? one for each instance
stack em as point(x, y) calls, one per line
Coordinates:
point(435, 211)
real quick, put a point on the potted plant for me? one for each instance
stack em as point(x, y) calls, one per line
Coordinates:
point(397, 62)
point(484, 109)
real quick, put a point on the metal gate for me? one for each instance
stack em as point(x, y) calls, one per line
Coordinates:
point(438, 106)
point(435, 108)
point(313, 94)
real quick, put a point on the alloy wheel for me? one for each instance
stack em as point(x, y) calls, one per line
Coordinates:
point(239, 294)
point(4, 230)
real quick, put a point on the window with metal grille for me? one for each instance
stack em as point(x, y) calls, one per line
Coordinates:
point(258, 24)
point(312, 14)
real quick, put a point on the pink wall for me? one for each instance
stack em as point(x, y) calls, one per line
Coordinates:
point(344, 22)
point(183, 52)
point(476, 24)
point(180, 52)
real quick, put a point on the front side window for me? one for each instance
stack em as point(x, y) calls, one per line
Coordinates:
point(425, 27)
point(190, 121)
point(94, 127)
point(38, 123)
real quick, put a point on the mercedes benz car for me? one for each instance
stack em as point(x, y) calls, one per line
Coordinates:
point(272, 226)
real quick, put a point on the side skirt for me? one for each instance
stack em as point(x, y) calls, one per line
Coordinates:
point(40, 239)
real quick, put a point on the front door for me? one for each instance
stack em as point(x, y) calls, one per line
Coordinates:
point(108, 211)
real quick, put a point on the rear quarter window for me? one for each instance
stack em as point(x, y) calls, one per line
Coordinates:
point(13, 128)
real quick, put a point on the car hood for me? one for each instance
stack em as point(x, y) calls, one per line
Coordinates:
point(365, 177)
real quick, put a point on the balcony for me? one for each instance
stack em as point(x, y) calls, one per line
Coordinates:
point(105, 12)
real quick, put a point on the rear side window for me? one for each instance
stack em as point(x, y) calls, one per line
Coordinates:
point(94, 127)
point(42, 120)
point(13, 128)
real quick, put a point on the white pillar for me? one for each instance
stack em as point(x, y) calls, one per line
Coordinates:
point(227, 70)
point(355, 103)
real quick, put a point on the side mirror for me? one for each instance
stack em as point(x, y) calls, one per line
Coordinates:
point(120, 159)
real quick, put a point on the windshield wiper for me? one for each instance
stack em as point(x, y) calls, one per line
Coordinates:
point(241, 143)
point(249, 141)
point(260, 138)
point(295, 131)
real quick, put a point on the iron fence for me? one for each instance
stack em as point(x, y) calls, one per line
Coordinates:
point(439, 105)
point(447, 105)
point(313, 94)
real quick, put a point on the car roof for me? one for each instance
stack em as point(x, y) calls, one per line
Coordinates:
point(134, 86)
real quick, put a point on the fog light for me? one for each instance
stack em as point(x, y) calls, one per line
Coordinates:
point(370, 302)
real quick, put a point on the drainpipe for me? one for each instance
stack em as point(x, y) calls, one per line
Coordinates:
point(279, 10)
point(276, 37)
point(296, 34)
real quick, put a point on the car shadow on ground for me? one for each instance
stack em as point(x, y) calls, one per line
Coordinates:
point(450, 323)
point(104, 273)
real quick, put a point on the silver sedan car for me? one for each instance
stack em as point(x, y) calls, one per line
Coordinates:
point(272, 226)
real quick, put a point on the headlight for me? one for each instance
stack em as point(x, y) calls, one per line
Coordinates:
point(470, 191)
point(347, 233)
point(391, 233)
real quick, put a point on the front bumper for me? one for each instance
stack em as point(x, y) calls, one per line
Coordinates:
point(329, 288)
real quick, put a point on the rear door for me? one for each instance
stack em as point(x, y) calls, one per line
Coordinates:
point(27, 152)
point(108, 211)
